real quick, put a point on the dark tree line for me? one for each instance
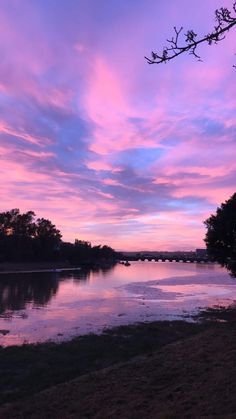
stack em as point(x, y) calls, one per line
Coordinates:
point(83, 251)
point(177, 45)
point(24, 238)
point(221, 235)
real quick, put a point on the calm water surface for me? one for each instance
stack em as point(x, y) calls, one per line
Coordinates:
point(42, 306)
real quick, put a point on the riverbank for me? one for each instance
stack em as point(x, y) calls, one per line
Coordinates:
point(22, 267)
point(155, 370)
point(33, 267)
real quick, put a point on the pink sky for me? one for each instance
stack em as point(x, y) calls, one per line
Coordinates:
point(113, 150)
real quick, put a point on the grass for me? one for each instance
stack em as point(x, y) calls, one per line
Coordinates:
point(28, 369)
point(176, 367)
point(184, 371)
point(218, 314)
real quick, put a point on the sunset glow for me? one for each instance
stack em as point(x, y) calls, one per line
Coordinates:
point(111, 149)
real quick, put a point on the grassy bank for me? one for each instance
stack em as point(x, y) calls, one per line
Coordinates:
point(27, 369)
point(180, 366)
point(32, 266)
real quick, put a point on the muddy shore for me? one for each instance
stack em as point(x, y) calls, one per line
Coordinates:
point(155, 370)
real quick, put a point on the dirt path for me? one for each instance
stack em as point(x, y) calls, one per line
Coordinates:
point(191, 378)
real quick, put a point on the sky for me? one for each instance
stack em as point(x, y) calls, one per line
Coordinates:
point(110, 149)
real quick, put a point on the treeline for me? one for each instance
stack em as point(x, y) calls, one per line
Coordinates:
point(24, 238)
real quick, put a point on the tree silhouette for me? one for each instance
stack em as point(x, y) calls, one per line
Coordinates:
point(221, 235)
point(225, 20)
point(47, 239)
point(24, 238)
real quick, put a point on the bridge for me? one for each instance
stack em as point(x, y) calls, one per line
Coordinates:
point(184, 257)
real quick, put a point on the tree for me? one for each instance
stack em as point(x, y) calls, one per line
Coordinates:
point(14, 223)
point(24, 238)
point(82, 250)
point(47, 238)
point(225, 21)
point(16, 233)
point(221, 235)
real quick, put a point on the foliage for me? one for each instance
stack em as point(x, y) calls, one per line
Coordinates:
point(221, 235)
point(25, 238)
point(225, 20)
point(22, 237)
point(83, 251)
point(47, 238)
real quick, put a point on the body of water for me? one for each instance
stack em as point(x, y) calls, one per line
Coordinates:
point(41, 306)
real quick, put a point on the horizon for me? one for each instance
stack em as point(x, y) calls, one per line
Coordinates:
point(112, 150)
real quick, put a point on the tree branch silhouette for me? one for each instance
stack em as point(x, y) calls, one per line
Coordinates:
point(225, 20)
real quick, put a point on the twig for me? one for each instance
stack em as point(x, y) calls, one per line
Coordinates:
point(225, 21)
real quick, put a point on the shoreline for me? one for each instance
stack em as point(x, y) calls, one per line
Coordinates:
point(55, 270)
point(15, 267)
point(157, 357)
point(37, 267)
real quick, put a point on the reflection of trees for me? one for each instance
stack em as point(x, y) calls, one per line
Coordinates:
point(17, 291)
point(107, 269)
point(77, 276)
point(37, 289)
point(84, 273)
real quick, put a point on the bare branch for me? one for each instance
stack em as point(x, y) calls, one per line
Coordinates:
point(225, 20)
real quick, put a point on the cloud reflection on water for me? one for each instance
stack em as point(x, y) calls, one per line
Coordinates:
point(60, 305)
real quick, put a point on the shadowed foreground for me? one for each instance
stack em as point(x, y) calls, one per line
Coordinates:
point(190, 378)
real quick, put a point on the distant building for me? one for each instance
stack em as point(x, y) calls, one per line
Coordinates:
point(201, 253)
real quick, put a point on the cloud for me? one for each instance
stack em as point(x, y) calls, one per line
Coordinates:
point(109, 148)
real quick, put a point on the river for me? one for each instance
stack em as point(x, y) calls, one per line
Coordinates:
point(57, 306)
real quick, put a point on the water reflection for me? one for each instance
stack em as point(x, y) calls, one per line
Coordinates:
point(19, 291)
point(16, 292)
point(36, 307)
